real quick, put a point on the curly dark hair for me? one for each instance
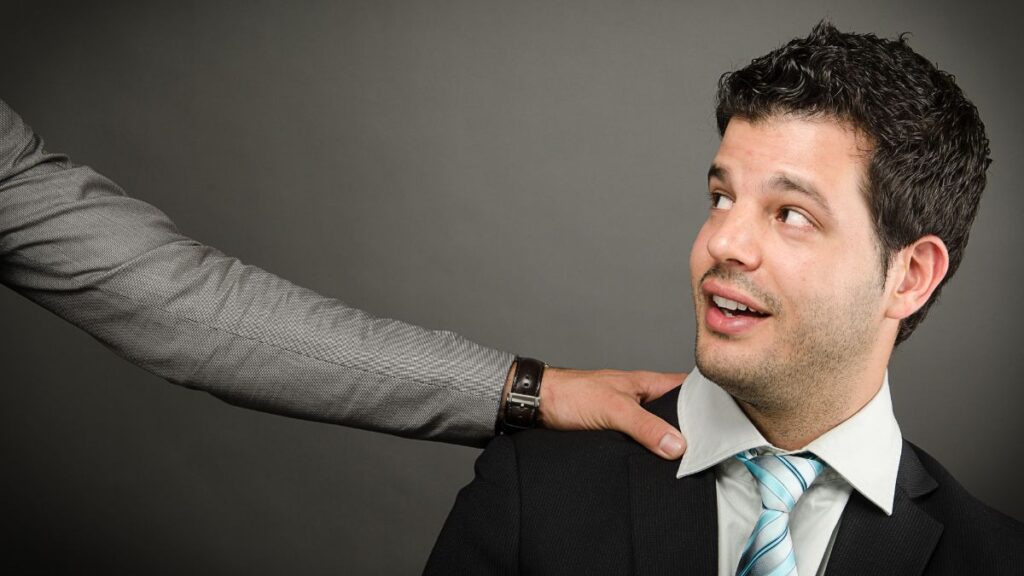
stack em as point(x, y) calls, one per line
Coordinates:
point(929, 151)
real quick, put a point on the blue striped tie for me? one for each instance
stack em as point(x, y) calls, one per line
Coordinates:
point(782, 479)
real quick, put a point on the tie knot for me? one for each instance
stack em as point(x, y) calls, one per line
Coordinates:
point(782, 478)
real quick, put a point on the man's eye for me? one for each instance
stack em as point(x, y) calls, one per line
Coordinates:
point(794, 218)
point(720, 201)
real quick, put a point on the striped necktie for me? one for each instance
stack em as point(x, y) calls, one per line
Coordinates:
point(781, 479)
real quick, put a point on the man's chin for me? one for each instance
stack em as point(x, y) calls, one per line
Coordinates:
point(730, 347)
point(733, 370)
point(739, 384)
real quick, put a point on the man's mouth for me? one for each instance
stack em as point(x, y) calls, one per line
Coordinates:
point(731, 311)
point(732, 308)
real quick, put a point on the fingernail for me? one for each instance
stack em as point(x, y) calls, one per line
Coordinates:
point(671, 445)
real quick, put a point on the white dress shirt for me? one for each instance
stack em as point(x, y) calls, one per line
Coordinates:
point(862, 453)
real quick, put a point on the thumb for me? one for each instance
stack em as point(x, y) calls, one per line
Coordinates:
point(655, 384)
point(652, 432)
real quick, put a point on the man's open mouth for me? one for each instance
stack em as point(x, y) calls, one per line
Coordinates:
point(732, 308)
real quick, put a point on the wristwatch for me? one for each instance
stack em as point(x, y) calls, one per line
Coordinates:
point(522, 404)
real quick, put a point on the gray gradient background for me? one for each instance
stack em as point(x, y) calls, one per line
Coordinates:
point(378, 152)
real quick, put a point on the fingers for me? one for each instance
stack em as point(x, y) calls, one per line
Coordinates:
point(652, 432)
point(588, 400)
point(653, 385)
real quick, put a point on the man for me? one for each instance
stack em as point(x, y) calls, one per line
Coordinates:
point(842, 194)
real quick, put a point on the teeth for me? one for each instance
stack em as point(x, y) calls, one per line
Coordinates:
point(726, 304)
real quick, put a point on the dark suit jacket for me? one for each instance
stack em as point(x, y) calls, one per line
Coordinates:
point(597, 503)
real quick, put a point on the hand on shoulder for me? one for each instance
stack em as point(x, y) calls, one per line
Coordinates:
point(610, 399)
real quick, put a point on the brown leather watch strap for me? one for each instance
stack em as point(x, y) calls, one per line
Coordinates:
point(522, 405)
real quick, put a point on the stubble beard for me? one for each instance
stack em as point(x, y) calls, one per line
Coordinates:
point(805, 375)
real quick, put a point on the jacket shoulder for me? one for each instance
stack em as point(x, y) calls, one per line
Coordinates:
point(974, 534)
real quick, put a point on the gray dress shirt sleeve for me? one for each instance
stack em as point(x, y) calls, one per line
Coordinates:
point(73, 242)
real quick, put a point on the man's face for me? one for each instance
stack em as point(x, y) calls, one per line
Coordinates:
point(789, 236)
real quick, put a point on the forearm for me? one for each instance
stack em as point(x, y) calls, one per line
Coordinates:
point(117, 267)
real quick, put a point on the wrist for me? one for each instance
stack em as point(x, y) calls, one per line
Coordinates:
point(549, 394)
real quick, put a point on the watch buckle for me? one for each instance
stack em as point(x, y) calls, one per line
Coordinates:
point(524, 400)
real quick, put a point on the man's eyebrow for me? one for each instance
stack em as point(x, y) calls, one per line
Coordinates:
point(780, 181)
point(792, 183)
point(719, 172)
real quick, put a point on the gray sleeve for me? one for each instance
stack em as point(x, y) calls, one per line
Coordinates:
point(73, 242)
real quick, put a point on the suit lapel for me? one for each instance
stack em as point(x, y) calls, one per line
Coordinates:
point(869, 542)
point(675, 522)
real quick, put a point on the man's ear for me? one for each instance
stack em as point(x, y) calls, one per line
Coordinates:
point(915, 273)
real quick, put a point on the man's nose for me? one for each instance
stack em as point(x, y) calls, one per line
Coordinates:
point(735, 239)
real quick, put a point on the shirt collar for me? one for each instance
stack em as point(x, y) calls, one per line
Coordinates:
point(864, 450)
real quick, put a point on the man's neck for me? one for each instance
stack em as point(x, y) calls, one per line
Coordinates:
point(794, 427)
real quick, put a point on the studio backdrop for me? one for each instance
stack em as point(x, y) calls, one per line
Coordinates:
point(384, 153)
